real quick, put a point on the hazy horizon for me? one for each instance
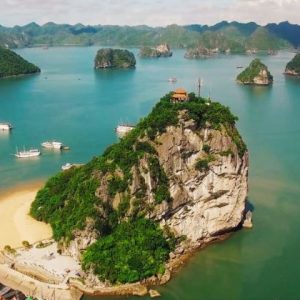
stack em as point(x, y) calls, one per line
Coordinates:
point(151, 26)
point(153, 13)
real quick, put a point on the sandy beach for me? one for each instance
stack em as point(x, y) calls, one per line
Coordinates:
point(15, 223)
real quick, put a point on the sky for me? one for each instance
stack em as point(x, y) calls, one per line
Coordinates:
point(148, 12)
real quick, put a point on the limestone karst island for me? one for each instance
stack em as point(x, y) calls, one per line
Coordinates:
point(130, 216)
point(293, 67)
point(162, 50)
point(149, 149)
point(256, 73)
point(108, 58)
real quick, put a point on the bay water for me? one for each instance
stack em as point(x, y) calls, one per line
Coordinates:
point(71, 102)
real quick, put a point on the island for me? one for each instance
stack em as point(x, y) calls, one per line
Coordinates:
point(200, 52)
point(293, 67)
point(12, 64)
point(108, 58)
point(256, 73)
point(129, 218)
point(162, 50)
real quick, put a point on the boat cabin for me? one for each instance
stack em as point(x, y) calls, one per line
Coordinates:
point(179, 95)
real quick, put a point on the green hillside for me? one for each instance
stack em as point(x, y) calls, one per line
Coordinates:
point(234, 35)
point(12, 64)
point(293, 67)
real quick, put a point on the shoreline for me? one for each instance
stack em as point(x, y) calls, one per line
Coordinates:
point(42, 272)
point(14, 216)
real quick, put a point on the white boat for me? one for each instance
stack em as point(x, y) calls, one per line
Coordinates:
point(123, 129)
point(66, 166)
point(28, 153)
point(5, 126)
point(52, 145)
point(172, 79)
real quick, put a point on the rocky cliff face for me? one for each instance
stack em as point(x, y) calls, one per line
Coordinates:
point(293, 67)
point(206, 203)
point(201, 52)
point(162, 50)
point(114, 58)
point(255, 74)
point(261, 79)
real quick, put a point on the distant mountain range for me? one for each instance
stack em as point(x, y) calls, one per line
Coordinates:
point(238, 37)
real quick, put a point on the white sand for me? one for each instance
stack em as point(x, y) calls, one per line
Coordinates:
point(49, 260)
point(15, 223)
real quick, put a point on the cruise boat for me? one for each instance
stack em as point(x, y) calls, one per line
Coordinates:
point(52, 145)
point(28, 153)
point(123, 129)
point(5, 126)
point(66, 166)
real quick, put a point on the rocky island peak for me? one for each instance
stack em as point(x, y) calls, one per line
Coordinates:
point(108, 58)
point(162, 50)
point(176, 182)
point(293, 67)
point(256, 73)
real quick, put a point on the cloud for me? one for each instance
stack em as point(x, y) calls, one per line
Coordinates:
point(151, 12)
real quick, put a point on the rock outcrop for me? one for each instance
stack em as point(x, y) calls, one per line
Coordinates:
point(200, 52)
point(205, 203)
point(12, 64)
point(162, 50)
point(108, 58)
point(255, 74)
point(184, 167)
point(293, 67)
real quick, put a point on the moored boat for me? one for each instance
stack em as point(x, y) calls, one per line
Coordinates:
point(52, 145)
point(172, 79)
point(123, 129)
point(28, 153)
point(67, 166)
point(5, 126)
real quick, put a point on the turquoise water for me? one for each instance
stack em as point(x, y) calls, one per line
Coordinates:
point(72, 103)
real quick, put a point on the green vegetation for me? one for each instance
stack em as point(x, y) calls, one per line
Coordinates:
point(206, 148)
point(12, 64)
point(248, 75)
point(134, 251)
point(203, 164)
point(66, 201)
point(294, 65)
point(114, 58)
point(158, 175)
point(262, 39)
point(226, 153)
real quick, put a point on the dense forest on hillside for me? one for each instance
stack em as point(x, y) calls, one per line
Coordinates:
point(237, 36)
point(12, 64)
